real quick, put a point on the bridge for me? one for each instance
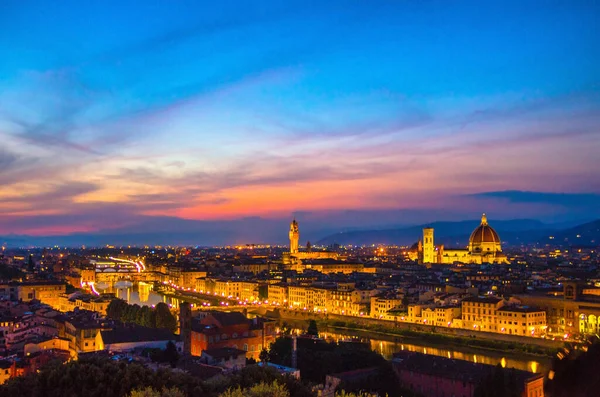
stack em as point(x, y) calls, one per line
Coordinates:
point(115, 269)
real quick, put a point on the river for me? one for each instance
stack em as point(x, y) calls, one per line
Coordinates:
point(388, 345)
point(139, 293)
point(143, 294)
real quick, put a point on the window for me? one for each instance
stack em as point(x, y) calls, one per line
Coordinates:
point(245, 346)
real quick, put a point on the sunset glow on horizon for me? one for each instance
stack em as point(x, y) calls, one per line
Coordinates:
point(125, 115)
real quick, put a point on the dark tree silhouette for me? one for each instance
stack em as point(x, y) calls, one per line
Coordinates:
point(164, 318)
point(264, 355)
point(171, 355)
point(312, 328)
point(574, 372)
point(160, 317)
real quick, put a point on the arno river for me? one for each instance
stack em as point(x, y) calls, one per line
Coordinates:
point(388, 345)
point(139, 293)
point(142, 294)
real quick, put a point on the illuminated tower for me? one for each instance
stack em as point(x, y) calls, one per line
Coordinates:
point(294, 237)
point(428, 246)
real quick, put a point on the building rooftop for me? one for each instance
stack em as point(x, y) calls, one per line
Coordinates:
point(224, 352)
point(483, 299)
point(229, 318)
point(520, 309)
point(355, 374)
point(449, 368)
point(131, 334)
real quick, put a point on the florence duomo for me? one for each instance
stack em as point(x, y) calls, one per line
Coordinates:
point(299, 199)
point(484, 247)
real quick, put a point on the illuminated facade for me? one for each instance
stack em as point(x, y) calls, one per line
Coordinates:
point(239, 289)
point(526, 321)
point(481, 314)
point(220, 329)
point(380, 306)
point(574, 311)
point(484, 247)
point(343, 299)
point(429, 254)
point(47, 292)
point(295, 257)
point(294, 237)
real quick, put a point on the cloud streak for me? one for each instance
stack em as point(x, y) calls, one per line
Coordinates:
point(217, 116)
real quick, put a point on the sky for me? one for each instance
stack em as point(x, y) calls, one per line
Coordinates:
point(126, 116)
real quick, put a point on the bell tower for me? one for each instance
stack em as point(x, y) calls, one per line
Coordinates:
point(428, 246)
point(294, 237)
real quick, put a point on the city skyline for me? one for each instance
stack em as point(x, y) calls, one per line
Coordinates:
point(154, 117)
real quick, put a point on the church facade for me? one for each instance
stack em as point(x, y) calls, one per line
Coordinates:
point(484, 247)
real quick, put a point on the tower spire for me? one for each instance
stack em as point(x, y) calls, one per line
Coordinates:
point(294, 237)
point(484, 219)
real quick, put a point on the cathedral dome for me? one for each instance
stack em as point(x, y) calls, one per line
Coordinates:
point(483, 234)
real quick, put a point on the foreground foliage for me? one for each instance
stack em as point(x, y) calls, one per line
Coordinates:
point(97, 378)
point(259, 390)
point(574, 372)
point(150, 392)
point(102, 377)
point(317, 359)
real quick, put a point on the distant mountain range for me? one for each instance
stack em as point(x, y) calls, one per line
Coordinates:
point(456, 234)
point(193, 233)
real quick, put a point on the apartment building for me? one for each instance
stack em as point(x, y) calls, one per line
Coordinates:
point(522, 320)
point(481, 313)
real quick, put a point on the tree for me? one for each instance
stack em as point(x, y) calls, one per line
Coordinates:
point(171, 355)
point(145, 317)
point(264, 355)
point(98, 377)
point(116, 309)
point(575, 371)
point(263, 292)
point(405, 301)
point(286, 329)
point(150, 392)
point(101, 377)
point(164, 318)
point(259, 390)
point(343, 393)
point(312, 328)
point(318, 358)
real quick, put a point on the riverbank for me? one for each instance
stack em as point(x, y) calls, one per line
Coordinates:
point(387, 345)
point(439, 340)
point(479, 340)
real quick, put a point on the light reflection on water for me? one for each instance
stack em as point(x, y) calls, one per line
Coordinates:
point(143, 294)
point(140, 293)
point(388, 348)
